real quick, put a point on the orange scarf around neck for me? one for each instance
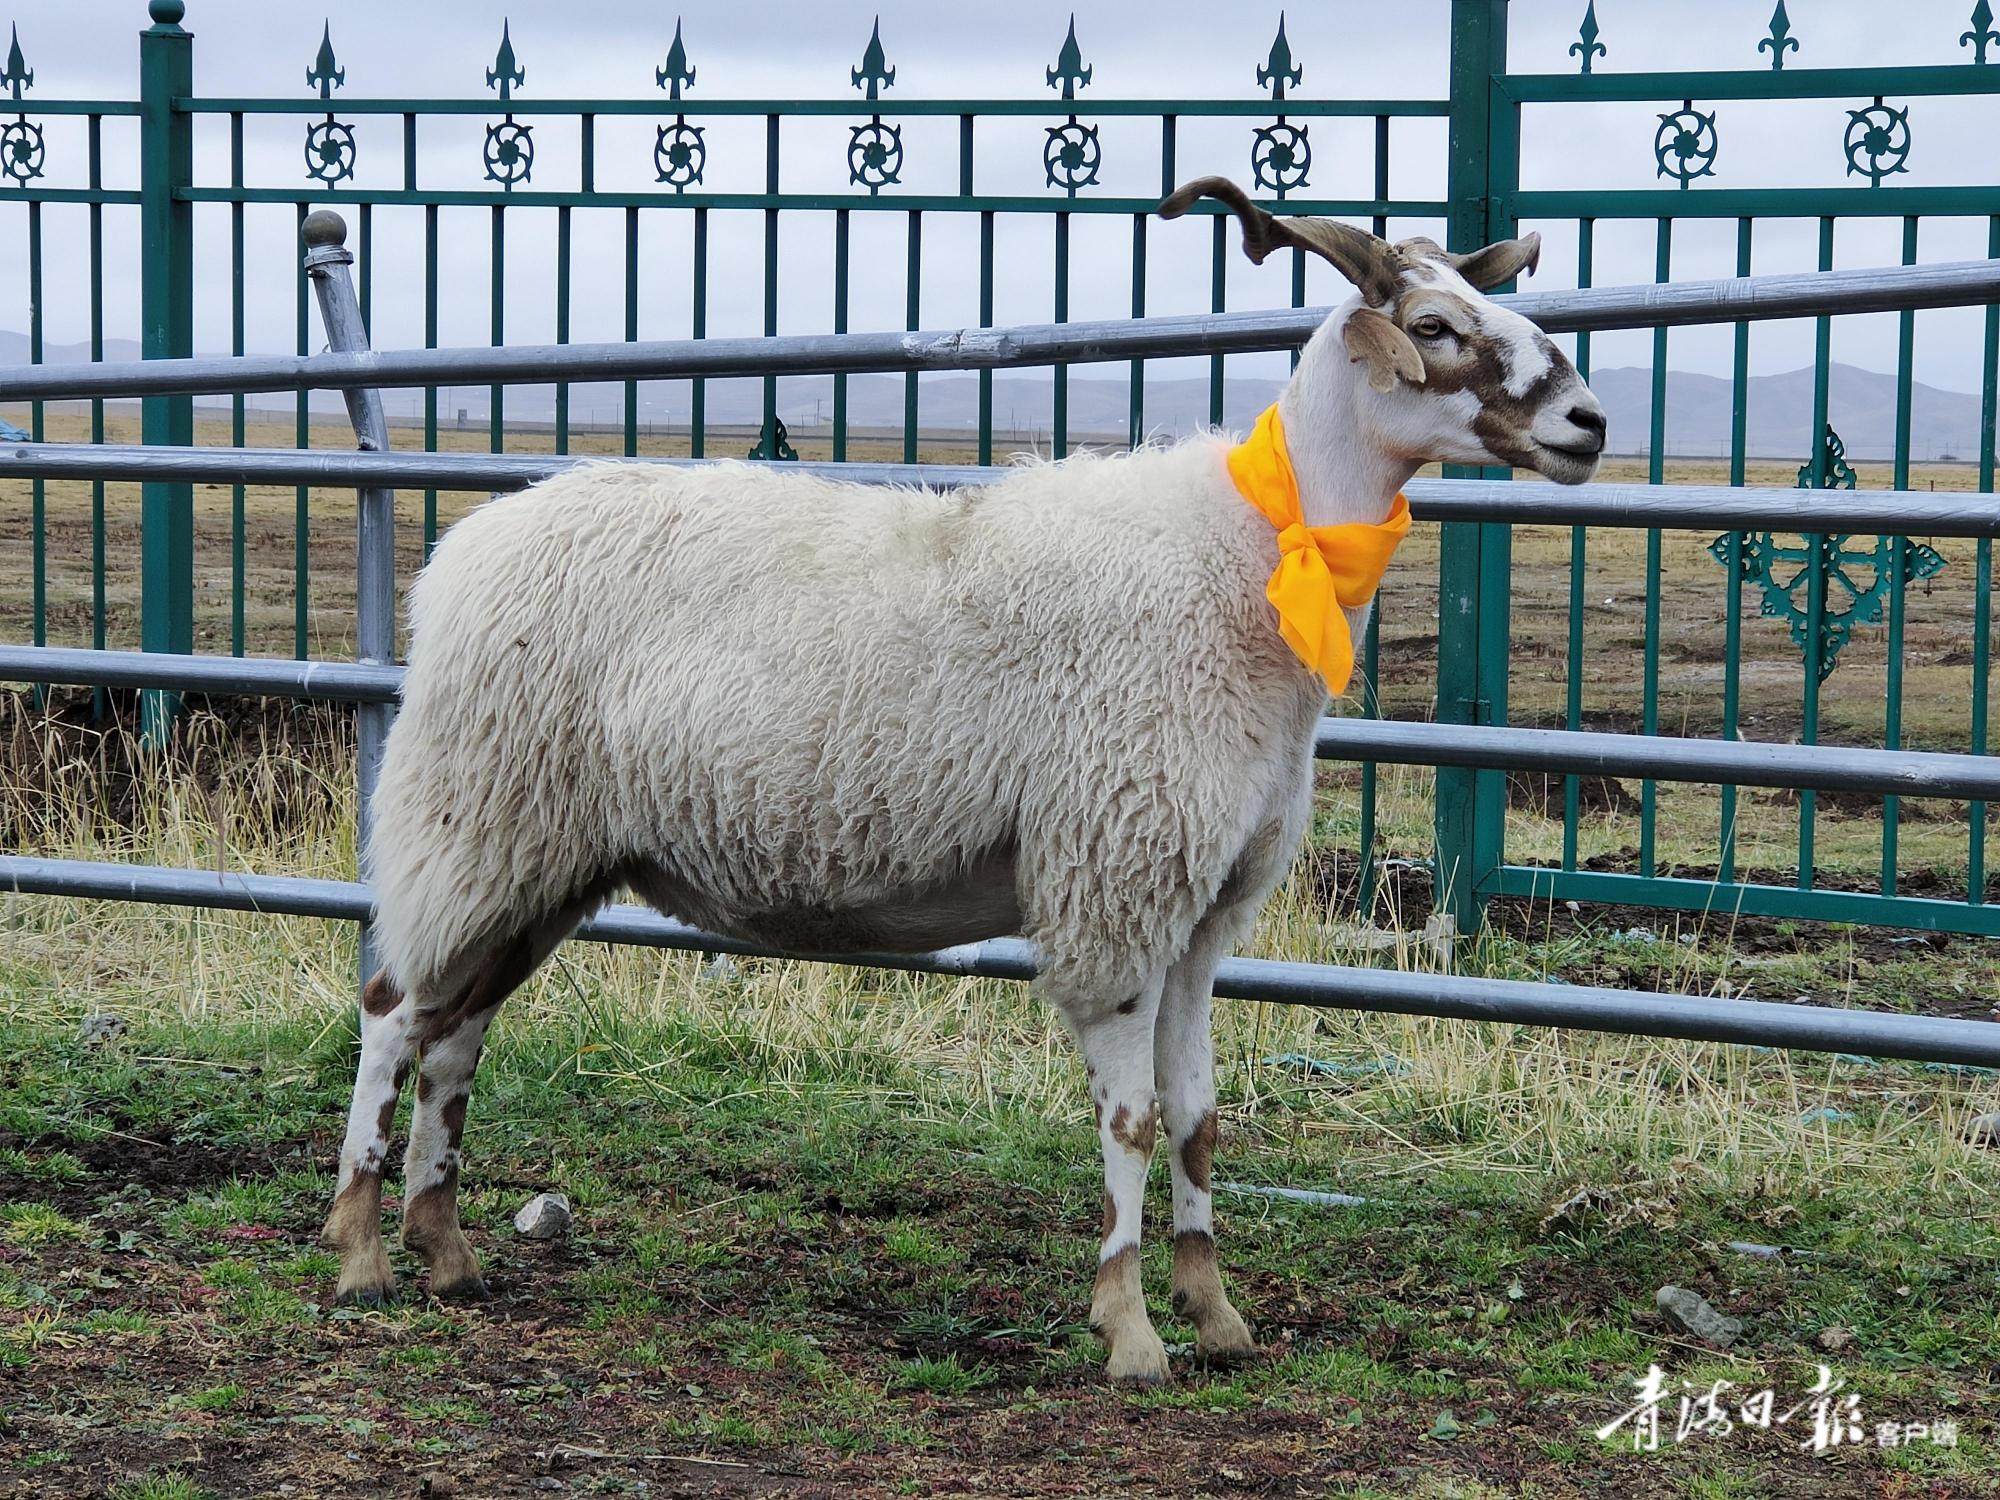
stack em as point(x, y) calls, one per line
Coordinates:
point(1321, 569)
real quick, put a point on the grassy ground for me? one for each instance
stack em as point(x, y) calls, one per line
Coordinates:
point(834, 1229)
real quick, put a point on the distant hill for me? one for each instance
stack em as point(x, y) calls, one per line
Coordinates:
point(1861, 405)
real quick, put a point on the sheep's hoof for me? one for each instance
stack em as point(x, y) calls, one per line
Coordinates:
point(1224, 1341)
point(366, 1279)
point(466, 1289)
point(1139, 1359)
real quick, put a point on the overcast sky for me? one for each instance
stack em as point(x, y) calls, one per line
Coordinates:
point(1138, 48)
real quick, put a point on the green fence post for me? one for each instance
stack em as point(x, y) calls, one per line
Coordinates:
point(1474, 559)
point(166, 165)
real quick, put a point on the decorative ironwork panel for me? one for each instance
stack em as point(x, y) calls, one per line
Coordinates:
point(1880, 134)
point(1857, 576)
point(1280, 154)
point(680, 155)
point(1982, 34)
point(330, 150)
point(23, 151)
point(775, 443)
point(510, 146)
point(1071, 154)
point(1685, 144)
point(874, 150)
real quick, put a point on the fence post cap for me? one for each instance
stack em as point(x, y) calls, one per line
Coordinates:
point(324, 229)
point(167, 12)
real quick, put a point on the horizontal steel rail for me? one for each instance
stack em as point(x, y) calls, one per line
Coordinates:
point(1902, 773)
point(1737, 299)
point(1519, 502)
point(1329, 986)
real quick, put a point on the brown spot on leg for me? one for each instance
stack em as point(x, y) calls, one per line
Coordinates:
point(1139, 1136)
point(1118, 1316)
point(354, 1228)
point(1110, 1216)
point(430, 1220)
point(1198, 1151)
point(1127, 1007)
point(1221, 1336)
point(379, 996)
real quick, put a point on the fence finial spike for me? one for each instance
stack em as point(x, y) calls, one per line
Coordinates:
point(18, 75)
point(1780, 40)
point(1982, 34)
point(506, 71)
point(874, 73)
point(1588, 45)
point(326, 74)
point(1069, 74)
point(676, 71)
point(1279, 69)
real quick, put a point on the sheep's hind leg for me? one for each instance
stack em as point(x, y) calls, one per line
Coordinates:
point(1118, 1051)
point(354, 1226)
point(1184, 1058)
point(452, 1037)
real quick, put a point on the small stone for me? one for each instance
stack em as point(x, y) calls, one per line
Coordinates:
point(1692, 1315)
point(1984, 1130)
point(98, 1031)
point(1833, 1340)
point(543, 1217)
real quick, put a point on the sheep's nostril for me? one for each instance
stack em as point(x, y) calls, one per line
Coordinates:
point(1589, 418)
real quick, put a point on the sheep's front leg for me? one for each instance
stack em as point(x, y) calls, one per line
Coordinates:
point(430, 1166)
point(354, 1227)
point(1184, 1059)
point(1118, 1052)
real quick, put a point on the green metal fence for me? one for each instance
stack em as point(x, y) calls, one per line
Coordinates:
point(382, 160)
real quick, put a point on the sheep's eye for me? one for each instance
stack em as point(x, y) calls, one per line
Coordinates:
point(1428, 328)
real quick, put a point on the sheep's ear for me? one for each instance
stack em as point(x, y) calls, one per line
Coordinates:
point(1374, 340)
point(1370, 263)
point(1500, 262)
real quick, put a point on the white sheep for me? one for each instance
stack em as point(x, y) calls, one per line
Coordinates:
point(837, 718)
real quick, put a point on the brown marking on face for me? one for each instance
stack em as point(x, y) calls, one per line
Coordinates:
point(1198, 1151)
point(379, 997)
point(1137, 1136)
point(1473, 360)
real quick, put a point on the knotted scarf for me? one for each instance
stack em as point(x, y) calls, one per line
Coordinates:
point(1321, 569)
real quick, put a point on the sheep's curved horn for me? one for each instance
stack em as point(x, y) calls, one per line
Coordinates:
point(1500, 262)
point(1363, 259)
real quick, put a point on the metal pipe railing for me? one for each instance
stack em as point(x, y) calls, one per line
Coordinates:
point(1519, 502)
point(1900, 773)
point(1589, 309)
point(1518, 1002)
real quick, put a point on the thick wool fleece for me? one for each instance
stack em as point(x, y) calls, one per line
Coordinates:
point(840, 717)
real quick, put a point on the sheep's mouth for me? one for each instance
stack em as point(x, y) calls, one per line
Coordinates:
point(1567, 465)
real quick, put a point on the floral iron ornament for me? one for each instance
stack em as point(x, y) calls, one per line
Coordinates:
point(1280, 155)
point(1857, 576)
point(1780, 41)
point(22, 149)
point(329, 142)
point(1587, 43)
point(1685, 144)
point(510, 145)
point(1071, 155)
point(1982, 35)
point(1882, 135)
point(679, 153)
point(874, 150)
